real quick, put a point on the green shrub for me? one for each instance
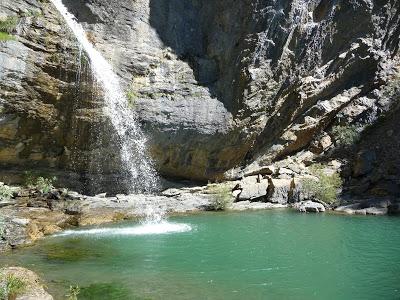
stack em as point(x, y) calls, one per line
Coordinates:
point(325, 188)
point(11, 286)
point(345, 135)
point(73, 292)
point(5, 192)
point(43, 184)
point(131, 96)
point(222, 196)
point(29, 178)
point(4, 36)
point(9, 24)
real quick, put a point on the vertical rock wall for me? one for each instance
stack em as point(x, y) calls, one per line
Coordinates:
point(217, 84)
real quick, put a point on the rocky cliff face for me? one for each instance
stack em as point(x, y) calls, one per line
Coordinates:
point(37, 86)
point(218, 85)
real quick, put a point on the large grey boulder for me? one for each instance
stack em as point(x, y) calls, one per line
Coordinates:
point(283, 190)
point(373, 206)
point(253, 188)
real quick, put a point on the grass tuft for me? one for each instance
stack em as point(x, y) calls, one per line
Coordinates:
point(11, 286)
point(4, 36)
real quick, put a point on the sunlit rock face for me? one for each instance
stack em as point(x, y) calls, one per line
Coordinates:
point(216, 84)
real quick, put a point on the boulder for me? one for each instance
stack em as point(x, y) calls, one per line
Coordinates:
point(285, 171)
point(34, 288)
point(282, 190)
point(310, 206)
point(369, 207)
point(266, 170)
point(376, 211)
point(253, 188)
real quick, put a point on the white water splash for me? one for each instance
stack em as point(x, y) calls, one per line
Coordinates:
point(143, 229)
point(132, 142)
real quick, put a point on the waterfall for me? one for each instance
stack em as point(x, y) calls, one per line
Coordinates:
point(132, 142)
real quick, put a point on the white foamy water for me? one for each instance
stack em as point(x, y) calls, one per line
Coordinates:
point(142, 229)
point(132, 142)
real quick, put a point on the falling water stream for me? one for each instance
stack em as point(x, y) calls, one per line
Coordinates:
point(132, 142)
point(142, 177)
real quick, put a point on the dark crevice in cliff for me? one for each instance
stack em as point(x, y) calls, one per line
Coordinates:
point(179, 25)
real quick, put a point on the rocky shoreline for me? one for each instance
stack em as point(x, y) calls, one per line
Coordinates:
point(31, 215)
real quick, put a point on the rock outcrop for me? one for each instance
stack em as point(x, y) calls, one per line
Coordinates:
point(310, 206)
point(218, 85)
point(33, 287)
point(376, 206)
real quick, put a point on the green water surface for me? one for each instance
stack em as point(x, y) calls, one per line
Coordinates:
point(254, 255)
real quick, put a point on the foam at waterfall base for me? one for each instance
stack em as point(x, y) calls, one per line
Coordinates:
point(149, 228)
